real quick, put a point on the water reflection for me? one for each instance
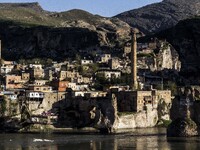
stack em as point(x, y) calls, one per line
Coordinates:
point(140, 139)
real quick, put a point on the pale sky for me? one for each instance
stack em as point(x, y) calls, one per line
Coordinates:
point(105, 8)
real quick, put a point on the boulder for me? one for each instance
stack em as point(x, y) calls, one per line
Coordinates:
point(182, 127)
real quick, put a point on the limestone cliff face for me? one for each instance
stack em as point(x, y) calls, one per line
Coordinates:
point(185, 39)
point(167, 58)
point(163, 57)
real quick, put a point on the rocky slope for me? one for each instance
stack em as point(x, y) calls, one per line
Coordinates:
point(185, 37)
point(159, 16)
point(28, 31)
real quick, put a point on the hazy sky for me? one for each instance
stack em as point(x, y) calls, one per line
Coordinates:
point(102, 7)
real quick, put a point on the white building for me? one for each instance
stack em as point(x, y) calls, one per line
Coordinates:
point(86, 62)
point(33, 94)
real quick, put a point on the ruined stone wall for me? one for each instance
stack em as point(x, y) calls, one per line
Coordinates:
point(52, 97)
point(163, 94)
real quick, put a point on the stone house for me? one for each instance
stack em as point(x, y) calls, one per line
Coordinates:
point(34, 100)
point(72, 86)
point(51, 99)
point(40, 88)
point(36, 71)
point(6, 68)
point(61, 86)
point(31, 95)
point(40, 82)
point(72, 76)
point(48, 73)
point(114, 63)
point(63, 75)
point(86, 80)
point(86, 62)
point(109, 74)
point(104, 58)
point(13, 81)
point(127, 49)
point(25, 76)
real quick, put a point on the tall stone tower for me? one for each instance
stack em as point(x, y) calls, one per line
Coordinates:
point(134, 84)
point(0, 57)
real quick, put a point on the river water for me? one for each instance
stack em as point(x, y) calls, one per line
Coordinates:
point(138, 139)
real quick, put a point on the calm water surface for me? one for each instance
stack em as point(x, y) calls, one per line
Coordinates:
point(139, 139)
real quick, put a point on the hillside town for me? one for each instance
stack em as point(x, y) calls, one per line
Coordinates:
point(80, 92)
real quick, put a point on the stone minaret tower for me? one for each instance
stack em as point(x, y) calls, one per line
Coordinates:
point(134, 84)
point(0, 57)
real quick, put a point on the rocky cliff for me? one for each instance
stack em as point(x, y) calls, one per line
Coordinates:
point(185, 37)
point(159, 16)
point(161, 56)
point(185, 113)
point(28, 31)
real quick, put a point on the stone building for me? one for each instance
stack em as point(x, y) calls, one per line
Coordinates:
point(135, 101)
point(104, 58)
point(36, 71)
point(114, 63)
point(13, 82)
point(40, 82)
point(86, 62)
point(109, 74)
point(51, 99)
point(25, 76)
point(40, 88)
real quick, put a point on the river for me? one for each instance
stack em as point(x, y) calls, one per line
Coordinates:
point(138, 139)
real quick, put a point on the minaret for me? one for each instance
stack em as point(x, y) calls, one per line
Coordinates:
point(0, 57)
point(134, 84)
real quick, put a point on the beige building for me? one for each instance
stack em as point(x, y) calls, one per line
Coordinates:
point(25, 76)
point(114, 63)
point(36, 71)
point(51, 99)
point(104, 58)
point(134, 101)
point(40, 88)
point(109, 74)
point(127, 49)
point(40, 82)
point(13, 82)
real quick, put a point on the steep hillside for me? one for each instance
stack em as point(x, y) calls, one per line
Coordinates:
point(26, 28)
point(159, 16)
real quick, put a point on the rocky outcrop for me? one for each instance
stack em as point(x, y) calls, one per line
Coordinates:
point(184, 37)
point(137, 120)
point(159, 16)
point(182, 127)
point(167, 58)
point(164, 56)
point(184, 114)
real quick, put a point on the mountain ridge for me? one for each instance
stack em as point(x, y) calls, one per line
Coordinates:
point(45, 32)
point(159, 16)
